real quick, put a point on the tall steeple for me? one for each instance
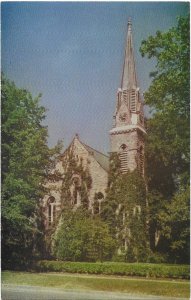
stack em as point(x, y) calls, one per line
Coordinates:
point(127, 134)
point(129, 79)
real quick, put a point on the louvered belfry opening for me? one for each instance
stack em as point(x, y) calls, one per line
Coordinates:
point(123, 156)
point(125, 96)
point(130, 98)
point(133, 100)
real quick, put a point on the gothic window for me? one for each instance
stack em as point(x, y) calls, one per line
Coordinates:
point(75, 195)
point(76, 180)
point(133, 101)
point(51, 210)
point(123, 156)
point(141, 160)
point(49, 214)
point(99, 197)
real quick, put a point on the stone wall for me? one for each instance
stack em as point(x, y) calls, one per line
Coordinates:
point(130, 139)
point(98, 175)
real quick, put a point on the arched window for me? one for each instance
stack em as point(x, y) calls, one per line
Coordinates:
point(51, 210)
point(76, 180)
point(141, 160)
point(75, 195)
point(123, 156)
point(98, 199)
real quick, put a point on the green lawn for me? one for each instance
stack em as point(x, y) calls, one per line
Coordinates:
point(173, 288)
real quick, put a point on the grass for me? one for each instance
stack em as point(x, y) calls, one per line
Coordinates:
point(170, 288)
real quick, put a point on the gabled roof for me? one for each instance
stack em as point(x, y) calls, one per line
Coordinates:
point(101, 158)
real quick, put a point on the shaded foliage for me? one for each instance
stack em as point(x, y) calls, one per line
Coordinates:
point(167, 144)
point(82, 238)
point(26, 160)
point(124, 210)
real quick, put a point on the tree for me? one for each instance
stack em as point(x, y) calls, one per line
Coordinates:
point(26, 160)
point(125, 212)
point(170, 87)
point(169, 97)
point(82, 237)
point(110, 205)
point(175, 220)
point(167, 145)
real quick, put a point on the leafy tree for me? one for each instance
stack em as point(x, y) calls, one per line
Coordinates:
point(170, 87)
point(26, 160)
point(169, 97)
point(114, 168)
point(125, 212)
point(110, 205)
point(167, 145)
point(175, 220)
point(81, 237)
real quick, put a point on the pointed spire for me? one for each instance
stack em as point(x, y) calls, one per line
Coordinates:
point(129, 79)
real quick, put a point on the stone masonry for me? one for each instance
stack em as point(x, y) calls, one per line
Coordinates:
point(97, 165)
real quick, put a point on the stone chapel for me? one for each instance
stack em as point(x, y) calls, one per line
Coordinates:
point(126, 137)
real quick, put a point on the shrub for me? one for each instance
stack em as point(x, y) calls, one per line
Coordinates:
point(82, 238)
point(157, 258)
point(118, 258)
point(114, 268)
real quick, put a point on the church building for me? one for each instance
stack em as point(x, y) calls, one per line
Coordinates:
point(84, 169)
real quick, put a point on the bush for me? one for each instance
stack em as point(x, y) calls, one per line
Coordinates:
point(82, 238)
point(157, 258)
point(112, 268)
point(119, 258)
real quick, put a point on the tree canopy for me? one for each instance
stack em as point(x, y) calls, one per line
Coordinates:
point(167, 144)
point(26, 160)
point(169, 97)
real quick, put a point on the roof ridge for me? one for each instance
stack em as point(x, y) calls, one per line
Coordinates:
point(94, 149)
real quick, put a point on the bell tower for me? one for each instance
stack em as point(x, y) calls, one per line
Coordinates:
point(128, 132)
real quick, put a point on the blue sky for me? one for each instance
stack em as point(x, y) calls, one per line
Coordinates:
point(72, 52)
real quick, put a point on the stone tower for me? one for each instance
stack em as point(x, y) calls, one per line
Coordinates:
point(127, 134)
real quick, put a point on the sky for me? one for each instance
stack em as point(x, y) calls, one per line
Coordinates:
point(72, 53)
